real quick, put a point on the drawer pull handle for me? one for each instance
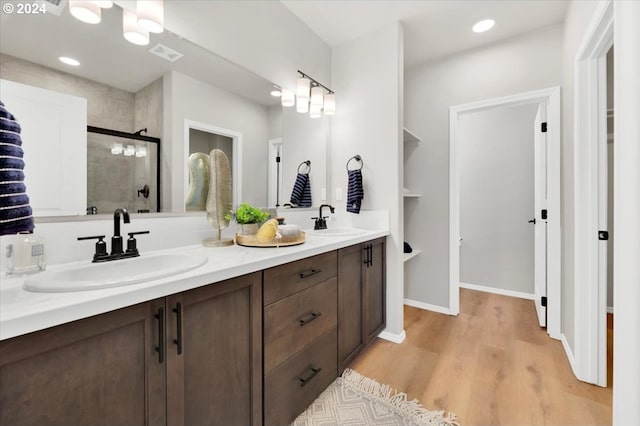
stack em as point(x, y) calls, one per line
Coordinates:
point(160, 348)
point(178, 341)
point(310, 273)
point(307, 320)
point(305, 380)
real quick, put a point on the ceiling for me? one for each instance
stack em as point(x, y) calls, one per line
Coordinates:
point(432, 28)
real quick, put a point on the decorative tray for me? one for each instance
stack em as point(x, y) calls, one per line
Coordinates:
point(251, 241)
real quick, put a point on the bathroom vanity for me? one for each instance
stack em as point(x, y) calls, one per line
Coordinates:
point(256, 347)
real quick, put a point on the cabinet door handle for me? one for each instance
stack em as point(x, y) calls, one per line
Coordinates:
point(366, 255)
point(305, 380)
point(305, 321)
point(178, 340)
point(310, 273)
point(160, 348)
point(369, 255)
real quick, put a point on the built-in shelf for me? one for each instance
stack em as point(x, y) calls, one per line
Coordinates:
point(409, 136)
point(411, 195)
point(414, 253)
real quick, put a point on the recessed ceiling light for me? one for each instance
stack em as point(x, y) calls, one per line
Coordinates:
point(276, 92)
point(484, 25)
point(69, 61)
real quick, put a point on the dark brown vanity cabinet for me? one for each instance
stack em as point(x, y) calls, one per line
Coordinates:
point(194, 358)
point(300, 335)
point(361, 298)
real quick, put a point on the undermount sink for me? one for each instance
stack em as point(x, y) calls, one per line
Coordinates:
point(114, 274)
point(337, 232)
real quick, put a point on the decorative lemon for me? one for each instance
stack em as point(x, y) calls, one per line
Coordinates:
point(267, 231)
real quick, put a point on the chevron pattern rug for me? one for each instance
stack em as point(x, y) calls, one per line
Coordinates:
point(357, 400)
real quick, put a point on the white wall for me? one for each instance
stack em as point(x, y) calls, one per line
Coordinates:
point(261, 36)
point(520, 64)
point(578, 17)
point(190, 99)
point(496, 197)
point(367, 78)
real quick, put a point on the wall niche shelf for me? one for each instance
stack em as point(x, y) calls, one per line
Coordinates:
point(414, 253)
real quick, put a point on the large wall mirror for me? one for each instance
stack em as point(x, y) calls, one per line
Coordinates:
point(161, 88)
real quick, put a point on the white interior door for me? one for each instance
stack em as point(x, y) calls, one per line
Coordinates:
point(539, 221)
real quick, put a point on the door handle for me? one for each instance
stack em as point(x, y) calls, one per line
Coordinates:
point(533, 221)
point(178, 340)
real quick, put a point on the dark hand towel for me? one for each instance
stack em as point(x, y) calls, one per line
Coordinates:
point(301, 194)
point(355, 192)
point(15, 213)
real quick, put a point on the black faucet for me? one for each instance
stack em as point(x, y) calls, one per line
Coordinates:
point(116, 240)
point(321, 222)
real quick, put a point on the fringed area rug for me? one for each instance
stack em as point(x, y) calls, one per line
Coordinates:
point(357, 400)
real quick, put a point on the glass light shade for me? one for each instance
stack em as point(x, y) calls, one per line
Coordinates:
point(130, 151)
point(103, 4)
point(315, 111)
point(151, 15)
point(85, 11)
point(330, 104)
point(141, 151)
point(316, 96)
point(302, 106)
point(302, 89)
point(132, 31)
point(116, 148)
point(287, 99)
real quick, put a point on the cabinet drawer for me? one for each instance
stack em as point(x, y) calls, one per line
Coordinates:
point(294, 322)
point(285, 280)
point(286, 395)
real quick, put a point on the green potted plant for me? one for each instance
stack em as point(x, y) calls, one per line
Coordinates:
point(248, 219)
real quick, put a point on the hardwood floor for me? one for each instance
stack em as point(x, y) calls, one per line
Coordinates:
point(491, 365)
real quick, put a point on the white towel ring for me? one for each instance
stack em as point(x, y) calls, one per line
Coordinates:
point(358, 159)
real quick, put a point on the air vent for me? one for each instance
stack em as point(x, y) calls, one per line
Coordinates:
point(55, 7)
point(165, 52)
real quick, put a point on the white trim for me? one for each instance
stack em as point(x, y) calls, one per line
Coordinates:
point(428, 307)
point(551, 97)
point(609, 309)
point(590, 116)
point(237, 156)
point(500, 291)
point(393, 337)
point(569, 353)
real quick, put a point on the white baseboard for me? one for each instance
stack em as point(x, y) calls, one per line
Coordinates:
point(427, 306)
point(609, 309)
point(570, 357)
point(393, 337)
point(502, 292)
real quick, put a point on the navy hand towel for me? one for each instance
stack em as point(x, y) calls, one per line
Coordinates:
point(355, 192)
point(15, 212)
point(301, 194)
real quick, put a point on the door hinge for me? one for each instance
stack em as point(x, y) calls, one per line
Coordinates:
point(543, 301)
point(603, 235)
point(543, 214)
point(543, 127)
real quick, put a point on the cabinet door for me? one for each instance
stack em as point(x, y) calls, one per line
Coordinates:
point(215, 354)
point(102, 370)
point(375, 290)
point(351, 338)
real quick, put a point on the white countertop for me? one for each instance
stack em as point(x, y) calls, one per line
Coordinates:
point(23, 312)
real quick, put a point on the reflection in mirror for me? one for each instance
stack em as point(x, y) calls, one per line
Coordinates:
point(122, 171)
point(130, 87)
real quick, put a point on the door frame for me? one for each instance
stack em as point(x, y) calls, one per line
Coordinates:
point(590, 290)
point(551, 97)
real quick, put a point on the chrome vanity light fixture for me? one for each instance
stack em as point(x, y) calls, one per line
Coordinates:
point(310, 97)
